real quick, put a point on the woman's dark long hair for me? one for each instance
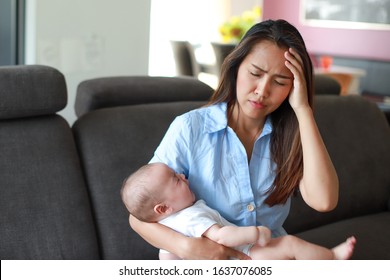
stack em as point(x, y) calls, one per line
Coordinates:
point(286, 149)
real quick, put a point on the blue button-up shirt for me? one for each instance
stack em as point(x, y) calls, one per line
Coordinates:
point(201, 145)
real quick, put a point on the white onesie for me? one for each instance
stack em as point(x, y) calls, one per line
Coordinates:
point(193, 221)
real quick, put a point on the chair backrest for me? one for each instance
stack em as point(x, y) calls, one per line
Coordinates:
point(113, 143)
point(324, 84)
point(185, 59)
point(221, 51)
point(44, 205)
point(131, 90)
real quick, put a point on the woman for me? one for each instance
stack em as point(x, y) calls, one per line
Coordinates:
point(254, 145)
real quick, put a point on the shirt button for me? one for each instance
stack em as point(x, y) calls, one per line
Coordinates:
point(250, 207)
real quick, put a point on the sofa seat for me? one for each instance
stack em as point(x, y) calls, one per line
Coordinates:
point(371, 231)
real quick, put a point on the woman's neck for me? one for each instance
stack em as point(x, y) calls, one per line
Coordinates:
point(239, 122)
point(246, 129)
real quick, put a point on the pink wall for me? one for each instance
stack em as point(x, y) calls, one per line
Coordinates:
point(369, 44)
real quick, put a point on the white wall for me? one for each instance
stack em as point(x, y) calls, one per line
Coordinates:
point(88, 38)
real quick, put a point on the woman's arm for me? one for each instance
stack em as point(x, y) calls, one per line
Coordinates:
point(184, 247)
point(319, 185)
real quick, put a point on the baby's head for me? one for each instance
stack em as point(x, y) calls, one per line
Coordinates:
point(155, 191)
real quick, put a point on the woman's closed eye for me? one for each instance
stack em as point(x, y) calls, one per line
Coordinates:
point(280, 83)
point(255, 74)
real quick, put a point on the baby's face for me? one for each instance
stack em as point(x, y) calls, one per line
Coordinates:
point(175, 187)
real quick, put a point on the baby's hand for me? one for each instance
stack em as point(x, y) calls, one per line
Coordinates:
point(264, 236)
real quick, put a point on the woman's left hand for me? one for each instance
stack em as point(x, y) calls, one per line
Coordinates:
point(298, 95)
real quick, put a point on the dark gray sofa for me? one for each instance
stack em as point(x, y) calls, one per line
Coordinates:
point(60, 184)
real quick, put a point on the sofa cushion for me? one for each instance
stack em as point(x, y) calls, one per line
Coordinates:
point(45, 212)
point(132, 90)
point(31, 90)
point(113, 143)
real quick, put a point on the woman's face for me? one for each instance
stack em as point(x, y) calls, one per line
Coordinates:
point(263, 80)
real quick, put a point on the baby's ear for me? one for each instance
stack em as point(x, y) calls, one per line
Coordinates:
point(161, 209)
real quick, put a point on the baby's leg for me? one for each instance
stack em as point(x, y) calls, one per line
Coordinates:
point(344, 250)
point(276, 249)
point(292, 247)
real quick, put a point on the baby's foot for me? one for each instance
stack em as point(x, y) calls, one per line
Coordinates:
point(344, 250)
point(264, 236)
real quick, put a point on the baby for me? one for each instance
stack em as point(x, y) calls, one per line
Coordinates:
point(155, 193)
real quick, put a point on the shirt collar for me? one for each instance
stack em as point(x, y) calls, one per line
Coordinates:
point(216, 118)
point(267, 129)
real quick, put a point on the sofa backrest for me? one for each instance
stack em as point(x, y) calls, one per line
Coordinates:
point(44, 205)
point(357, 137)
point(131, 90)
point(113, 143)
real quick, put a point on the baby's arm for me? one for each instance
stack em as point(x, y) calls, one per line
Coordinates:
point(184, 247)
point(233, 236)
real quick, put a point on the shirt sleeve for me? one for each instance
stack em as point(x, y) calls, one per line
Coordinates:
point(174, 147)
